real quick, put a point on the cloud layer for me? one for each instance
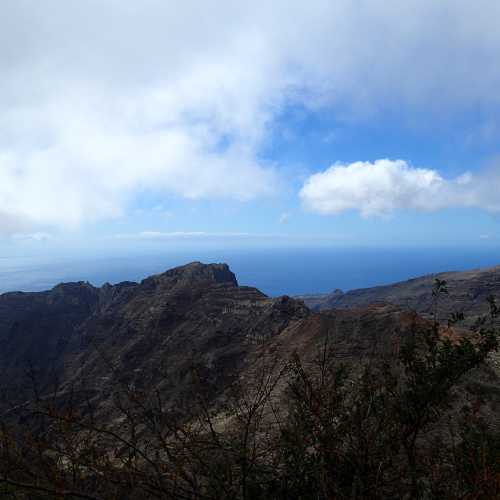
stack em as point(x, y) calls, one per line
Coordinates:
point(101, 102)
point(162, 235)
point(384, 186)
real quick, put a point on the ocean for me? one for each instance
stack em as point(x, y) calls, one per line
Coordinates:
point(273, 271)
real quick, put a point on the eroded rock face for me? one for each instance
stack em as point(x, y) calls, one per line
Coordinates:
point(140, 334)
point(467, 292)
point(192, 324)
point(158, 330)
point(36, 329)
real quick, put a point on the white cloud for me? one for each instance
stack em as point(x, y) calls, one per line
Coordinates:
point(39, 236)
point(101, 102)
point(384, 186)
point(163, 235)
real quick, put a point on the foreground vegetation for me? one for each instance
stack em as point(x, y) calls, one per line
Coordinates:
point(399, 427)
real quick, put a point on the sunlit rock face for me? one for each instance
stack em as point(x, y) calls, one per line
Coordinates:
point(468, 292)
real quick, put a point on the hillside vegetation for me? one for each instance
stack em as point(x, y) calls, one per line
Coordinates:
point(187, 386)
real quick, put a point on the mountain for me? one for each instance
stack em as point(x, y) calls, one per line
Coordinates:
point(468, 292)
point(136, 333)
point(152, 333)
point(83, 341)
point(187, 385)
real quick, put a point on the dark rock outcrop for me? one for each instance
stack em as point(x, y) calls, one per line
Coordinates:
point(190, 323)
point(36, 329)
point(146, 334)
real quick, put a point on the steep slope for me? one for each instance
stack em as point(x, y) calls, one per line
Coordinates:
point(191, 318)
point(180, 380)
point(36, 329)
point(139, 334)
point(192, 324)
point(467, 292)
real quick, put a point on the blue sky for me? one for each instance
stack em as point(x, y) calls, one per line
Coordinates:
point(130, 126)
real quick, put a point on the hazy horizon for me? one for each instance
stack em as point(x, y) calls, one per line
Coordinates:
point(275, 271)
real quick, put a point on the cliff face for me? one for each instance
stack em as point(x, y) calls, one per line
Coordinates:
point(192, 322)
point(146, 334)
point(467, 292)
point(36, 329)
point(154, 334)
point(138, 386)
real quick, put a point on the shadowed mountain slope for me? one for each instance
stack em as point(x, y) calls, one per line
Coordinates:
point(138, 334)
point(81, 342)
point(189, 383)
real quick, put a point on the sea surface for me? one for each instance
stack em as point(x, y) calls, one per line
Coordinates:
point(273, 271)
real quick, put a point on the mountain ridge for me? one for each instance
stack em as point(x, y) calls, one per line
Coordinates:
point(468, 292)
point(196, 311)
point(152, 333)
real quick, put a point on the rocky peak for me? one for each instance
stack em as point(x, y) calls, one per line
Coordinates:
point(290, 307)
point(74, 288)
point(194, 272)
point(109, 293)
point(80, 292)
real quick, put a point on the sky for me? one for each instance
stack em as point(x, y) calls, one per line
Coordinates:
point(128, 125)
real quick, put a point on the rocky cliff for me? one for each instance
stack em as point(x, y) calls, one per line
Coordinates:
point(138, 334)
point(186, 378)
point(152, 333)
point(467, 292)
point(84, 341)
